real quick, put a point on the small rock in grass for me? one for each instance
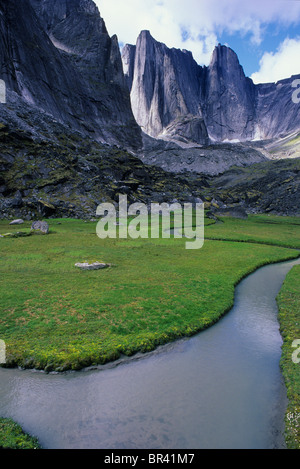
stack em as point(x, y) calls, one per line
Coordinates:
point(17, 222)
point(94, 266)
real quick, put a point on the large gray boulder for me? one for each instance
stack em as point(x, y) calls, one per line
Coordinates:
point(40, 227)
point(234, 212)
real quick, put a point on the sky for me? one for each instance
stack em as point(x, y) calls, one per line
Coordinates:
point(265, 34)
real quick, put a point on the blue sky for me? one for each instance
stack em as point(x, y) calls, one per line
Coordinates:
point(273, 37)
point(265, 34)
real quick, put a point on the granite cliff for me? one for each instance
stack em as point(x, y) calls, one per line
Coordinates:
point(164, 86)
point(174, 98)
point(71, 136)
point(57, 57)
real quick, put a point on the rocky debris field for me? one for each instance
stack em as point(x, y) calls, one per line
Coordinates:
point(72, 175)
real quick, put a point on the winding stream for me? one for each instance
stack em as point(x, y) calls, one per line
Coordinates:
point(220, 389)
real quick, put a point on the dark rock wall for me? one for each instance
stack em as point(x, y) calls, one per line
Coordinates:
point(58, 56)
point(229, 103)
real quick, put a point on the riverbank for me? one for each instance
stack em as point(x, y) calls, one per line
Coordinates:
point(289, 318)
point(12, 436)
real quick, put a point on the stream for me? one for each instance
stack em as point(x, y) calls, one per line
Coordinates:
point(219, 389)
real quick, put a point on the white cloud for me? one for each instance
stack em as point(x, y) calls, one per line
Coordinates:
point(281, 64)
point(201, 20)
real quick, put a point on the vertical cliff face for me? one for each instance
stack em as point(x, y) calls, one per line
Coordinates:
point(277, 113)
point(128, 60)
point(76, 27)
point(164, 84)
point(172, 96)
point(58, 56)
point(229, 98)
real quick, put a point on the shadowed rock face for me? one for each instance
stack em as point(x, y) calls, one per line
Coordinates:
point(57, 56)
point(229, 101)
point(276, 113)
point(167, 85)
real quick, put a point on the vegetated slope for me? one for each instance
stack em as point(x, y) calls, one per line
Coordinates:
point(70, 176)
point(271, 187)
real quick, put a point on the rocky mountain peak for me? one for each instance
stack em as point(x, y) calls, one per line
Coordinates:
point(230, 98)
point(225, 64)
point(168, 88)
point(223, 56)
point(145, 34)
point(54, 11)
point(165, 86)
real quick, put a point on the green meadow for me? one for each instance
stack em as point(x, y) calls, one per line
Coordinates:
point(57, 317)
point(54, 316)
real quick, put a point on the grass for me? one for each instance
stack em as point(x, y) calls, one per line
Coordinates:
point(13, 437)
point(289, 318)
point(56, 317)
point(265, 229)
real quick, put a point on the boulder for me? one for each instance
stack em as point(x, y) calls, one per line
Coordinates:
point(93, 266)
point(40, 226)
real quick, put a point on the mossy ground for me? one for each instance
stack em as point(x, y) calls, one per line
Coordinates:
point(13, 437)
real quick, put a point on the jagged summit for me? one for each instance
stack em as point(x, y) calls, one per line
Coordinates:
point(58, 58)
point(223, 53)
point(168, 87)
point(226, 63)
